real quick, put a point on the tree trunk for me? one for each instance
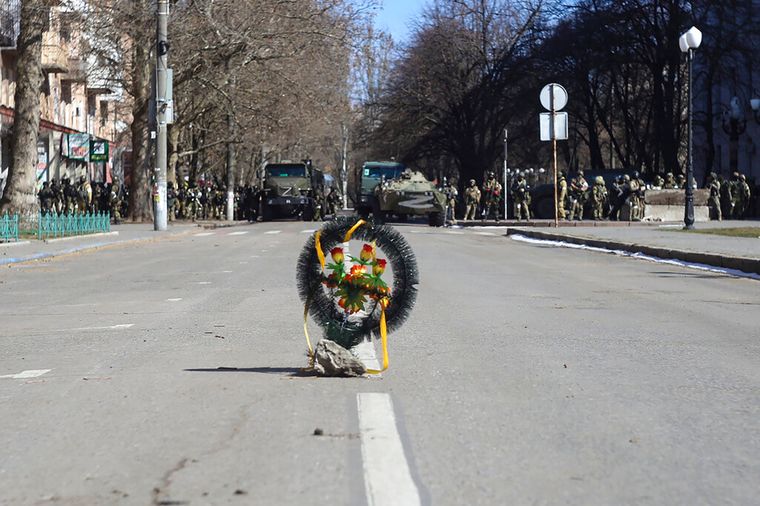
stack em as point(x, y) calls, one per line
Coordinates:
point(20, 195)
point(140, 208)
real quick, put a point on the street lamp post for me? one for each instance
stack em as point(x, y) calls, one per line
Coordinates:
point(688, 42)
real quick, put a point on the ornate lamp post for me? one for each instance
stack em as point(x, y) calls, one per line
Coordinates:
point(688, 42)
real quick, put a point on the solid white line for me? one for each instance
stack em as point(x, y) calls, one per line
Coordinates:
point(240, 232)
point(174, 300)
point(33, 373)
point(365, 351)
point(387, 479)
point(203, 234)
point(272, 232)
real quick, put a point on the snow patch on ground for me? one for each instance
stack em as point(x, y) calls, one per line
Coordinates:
point(640, 256)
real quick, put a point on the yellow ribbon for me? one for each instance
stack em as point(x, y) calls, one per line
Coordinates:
point(383, 303)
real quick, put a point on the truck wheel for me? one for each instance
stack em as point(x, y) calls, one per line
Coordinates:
point(308, 214)
point(436, 219)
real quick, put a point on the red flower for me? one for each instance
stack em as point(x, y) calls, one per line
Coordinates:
point(379, 267)
point(367, 253)
point(356, 270)
point(337, 254)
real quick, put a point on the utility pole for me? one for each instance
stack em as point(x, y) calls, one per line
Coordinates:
point(231, 148)
point(506, 168)
point(162, 51)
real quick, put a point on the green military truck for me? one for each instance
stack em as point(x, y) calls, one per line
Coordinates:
point(390, 189)
point(292, 189)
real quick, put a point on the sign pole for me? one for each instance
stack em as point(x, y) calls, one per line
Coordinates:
point(506, 182)
point(159, 192)
point(553, 135)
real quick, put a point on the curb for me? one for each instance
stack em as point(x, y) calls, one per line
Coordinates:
point(94, 246)
point(14, 243)
point(744, 264)
point(85, 236)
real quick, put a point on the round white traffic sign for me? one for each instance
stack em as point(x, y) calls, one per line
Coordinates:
point(560, 97)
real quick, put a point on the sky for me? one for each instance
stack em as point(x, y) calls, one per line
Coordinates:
point(396, 17)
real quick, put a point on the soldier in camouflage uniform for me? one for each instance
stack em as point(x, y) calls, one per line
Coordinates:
point(670, 182)
point(452, 194)
point(657, 182)
point(57, 195)
point(521, 197)
point(599, 198)
point(714, 200)
point(46, 198)
point(115, 200)
point(471, 200)
point(171, 201)
point(492, 193)
point(681, 181)
point(561, 195)
point(577, 196)
point(743, 196)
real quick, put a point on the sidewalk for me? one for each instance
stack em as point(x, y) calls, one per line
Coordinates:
point(25, 251)
point(663, 241)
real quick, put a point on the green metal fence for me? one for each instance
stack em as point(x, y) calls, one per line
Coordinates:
point(63, 225)
point(8, 227)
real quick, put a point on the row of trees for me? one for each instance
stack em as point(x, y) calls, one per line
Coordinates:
point(474, 67)
point(252, 81)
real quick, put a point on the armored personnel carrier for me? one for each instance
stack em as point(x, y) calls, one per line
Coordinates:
point(411, 194)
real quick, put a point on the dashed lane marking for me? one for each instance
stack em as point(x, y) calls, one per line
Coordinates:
point(203, 234)
point(453, 232)
point(310, 231)
point(484, 233)
point(204, 282)
point(387, 479)
point(226, 272)
point(176, 299)
point(107, 327)
point(272, 232)
point(32, 373)
point(239, 232)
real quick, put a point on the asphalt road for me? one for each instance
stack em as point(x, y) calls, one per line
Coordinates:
point(525, 375)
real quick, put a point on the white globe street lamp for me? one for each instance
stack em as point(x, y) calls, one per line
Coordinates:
point(688, 42)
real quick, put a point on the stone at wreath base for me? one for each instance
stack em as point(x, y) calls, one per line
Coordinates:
point(331, 359)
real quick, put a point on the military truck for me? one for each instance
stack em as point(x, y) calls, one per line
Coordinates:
point(292, 189)
point(400, 192)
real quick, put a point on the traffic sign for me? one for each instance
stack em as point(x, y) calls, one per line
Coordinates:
point(560, 126)
point(560, 97)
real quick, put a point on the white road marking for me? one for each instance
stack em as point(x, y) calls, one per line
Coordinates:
point(484, 233)
point(226, 272)
point(365, 351)
point(240, 232)
point(453, 232)
point(255, 256)
point(203, 234)
point(272, 232)
point(33, 373)
point(387, 479)
point(108, 327)
point(243, 263)
point(204, 282)
point(310, 231)
point(177, 299)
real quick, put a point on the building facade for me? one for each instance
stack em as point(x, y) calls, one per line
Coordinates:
point(80, 125)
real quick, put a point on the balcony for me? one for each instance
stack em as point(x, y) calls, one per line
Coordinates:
point(54, 59)
point(77, 70)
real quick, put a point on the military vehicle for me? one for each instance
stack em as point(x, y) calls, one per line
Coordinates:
point(400, 192)
point(292, 189)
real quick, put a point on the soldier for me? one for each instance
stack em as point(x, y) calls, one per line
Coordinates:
point(657, 182)
point(71, 196)
point(727, 198)
point(471, 200)
point(182, 200)
point(616, 197)
point(84, 195)
point(714, 200)
point(171, 201)
point(561, 195)
point(97, 197)
point(744, 194)
point(599, 197)
point(46, 198)
point(577, 196)
point(681, 181)
point(115, 196)
point(57, 195)
point(492, 193)
point(452, 194)
point(521, 197)
point(670, 182)
point(638, 189)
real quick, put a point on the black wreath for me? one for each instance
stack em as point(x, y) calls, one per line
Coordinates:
point(321, 304)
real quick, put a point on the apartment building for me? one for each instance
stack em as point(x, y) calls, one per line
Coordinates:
point(80, 125)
